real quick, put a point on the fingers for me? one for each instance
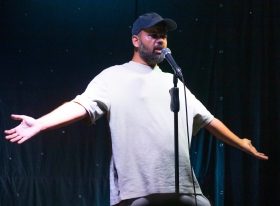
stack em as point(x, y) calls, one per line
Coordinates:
point(19, 139)
point(259, 155)
point(22, 140)
point(253, 151)
point(12, 135)
point(13, 130)
point(262, 156)
point(15, 139)
point(17, 117)
point(10, 131)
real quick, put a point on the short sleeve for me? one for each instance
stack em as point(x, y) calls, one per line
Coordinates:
point(201, 116)
point(95, 99)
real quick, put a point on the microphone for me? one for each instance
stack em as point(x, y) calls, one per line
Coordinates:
point(177, 70)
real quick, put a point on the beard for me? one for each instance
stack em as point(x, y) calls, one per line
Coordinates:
point(150, 58)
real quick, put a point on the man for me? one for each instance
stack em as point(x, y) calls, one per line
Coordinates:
point(135, 97)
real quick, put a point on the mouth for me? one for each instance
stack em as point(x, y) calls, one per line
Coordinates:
point(157, 50)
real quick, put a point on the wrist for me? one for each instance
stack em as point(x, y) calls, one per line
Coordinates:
point(40, 125)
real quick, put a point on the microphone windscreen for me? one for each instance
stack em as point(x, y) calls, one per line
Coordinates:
point(165, 51)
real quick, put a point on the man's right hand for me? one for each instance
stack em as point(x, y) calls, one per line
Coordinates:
point(28, 128)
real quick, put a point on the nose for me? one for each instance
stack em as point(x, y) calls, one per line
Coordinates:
point(160, 42)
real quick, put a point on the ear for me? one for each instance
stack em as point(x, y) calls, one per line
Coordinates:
point(135, 41)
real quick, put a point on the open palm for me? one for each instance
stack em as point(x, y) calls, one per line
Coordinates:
point(25, 130)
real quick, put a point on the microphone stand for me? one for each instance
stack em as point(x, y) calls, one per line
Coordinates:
point(175, 107)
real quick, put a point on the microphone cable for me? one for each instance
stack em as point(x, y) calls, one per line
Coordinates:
point(188, 137)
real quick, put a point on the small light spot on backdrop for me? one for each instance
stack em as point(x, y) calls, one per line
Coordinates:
point(221, 51)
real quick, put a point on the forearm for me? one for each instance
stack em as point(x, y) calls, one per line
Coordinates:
point(220, 131)
point(62, 116)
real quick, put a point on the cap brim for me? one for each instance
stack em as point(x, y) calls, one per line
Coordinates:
point(148, 21)
point(170, 24)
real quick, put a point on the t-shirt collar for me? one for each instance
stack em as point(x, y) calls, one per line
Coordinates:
point(142, 67)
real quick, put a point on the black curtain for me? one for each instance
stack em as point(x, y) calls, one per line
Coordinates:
point(50, 50)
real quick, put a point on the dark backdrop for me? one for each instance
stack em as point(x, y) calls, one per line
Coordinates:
point(50, 50)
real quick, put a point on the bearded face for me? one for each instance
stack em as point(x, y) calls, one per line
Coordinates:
point(148, 45)
point(149, 55)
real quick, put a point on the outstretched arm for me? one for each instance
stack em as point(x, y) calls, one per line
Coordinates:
point(219, 130)
point(64, 115)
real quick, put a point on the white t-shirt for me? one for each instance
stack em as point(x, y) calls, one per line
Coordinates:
point(136, 100)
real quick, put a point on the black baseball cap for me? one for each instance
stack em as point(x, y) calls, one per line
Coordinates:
point(148, 20)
